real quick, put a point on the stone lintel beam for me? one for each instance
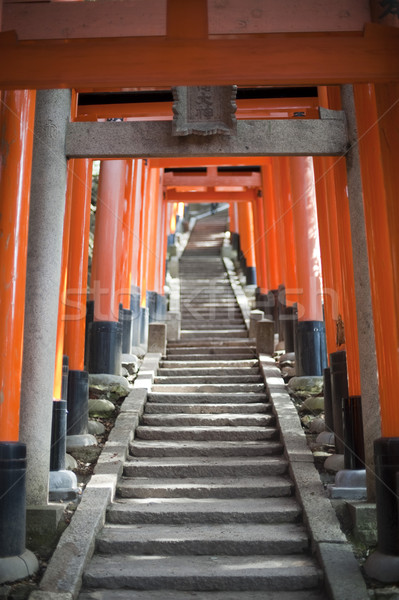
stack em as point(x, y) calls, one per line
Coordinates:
point(150, 139)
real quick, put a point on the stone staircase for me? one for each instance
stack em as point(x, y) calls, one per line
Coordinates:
point(205, 509)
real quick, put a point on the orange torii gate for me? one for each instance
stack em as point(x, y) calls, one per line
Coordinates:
point(172, 44)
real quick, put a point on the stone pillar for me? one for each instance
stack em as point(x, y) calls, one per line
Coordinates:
point(173, 322)
point(265, 337)
point(365, 322)
point(254, 317)
point(157, 338)
point(49, 170)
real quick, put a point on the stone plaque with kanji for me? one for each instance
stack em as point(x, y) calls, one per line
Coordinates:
point(204, 110)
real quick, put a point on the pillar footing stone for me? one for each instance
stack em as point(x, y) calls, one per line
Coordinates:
point(382, 567)
point(79, 441)
point(63, 486)
point(13, 568)
point(346, 493)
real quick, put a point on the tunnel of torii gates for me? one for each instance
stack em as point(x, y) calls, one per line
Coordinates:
point(315, 157)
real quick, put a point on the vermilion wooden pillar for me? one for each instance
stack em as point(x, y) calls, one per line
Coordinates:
point(76, 293)
point(136, 250)
point(75, 305)
point(387, 100)
point(260, 242)
point(247, 239)
point(274, 265)
point(279, 219)
point(57, 392)
point(16, 134)
point(144, 250)
point(379, 234)
point(127, 235)
point(166, 211)
point(161, 307)
point(330, 252)
point(106, 333)
point(154, 210)
point(310, 350)
point(330, 246)
point(291, 284)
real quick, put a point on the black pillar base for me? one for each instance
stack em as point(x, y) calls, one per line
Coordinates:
point(272, 300)
point(135, 308)
point(234, 240)
point(287, 320)
point(58, 435)
point(151, 304)
point(250, 275)
point(127, 328)
point(311, 353)
point(328, 405)
point(353, 433)
point(144, 320)
point(339, 390)
point(262, 303)
point(89, 321)
point(12, 498)
point(383, 565)
point(243, 263)
point(105, 347)
point(78, 402)
point(65, 371)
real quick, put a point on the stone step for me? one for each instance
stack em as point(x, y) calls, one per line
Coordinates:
point(196, 371)
point(199, 539)
point(159, 572)
point(204, 398)
point(222, 303)
point(220, 388)
point(214, 312)
point(210, 351)
point(211, 510)
point(214, 357)
point(212, 343)
point(177, 364)
point(226, 433)
point(104, 594)
point(201, 487)
point(211, 379)
point(197, 409)
point(220, 333)
point(208, 420)
point(208, 324)
point(205, 467)
point(158, 448)
point(197, 294)
point(214, 280)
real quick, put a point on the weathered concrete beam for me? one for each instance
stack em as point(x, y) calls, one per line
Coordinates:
point(318, 137)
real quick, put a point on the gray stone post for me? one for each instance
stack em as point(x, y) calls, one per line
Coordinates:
point(254, 317)
point(46, 219)
point(157, 338)
point(365, 322)
point(173, 322)
point(265, 337)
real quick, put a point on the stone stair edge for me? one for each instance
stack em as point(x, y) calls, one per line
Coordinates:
point(343, 578)
point(75, 548)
